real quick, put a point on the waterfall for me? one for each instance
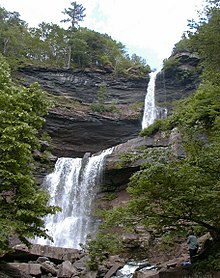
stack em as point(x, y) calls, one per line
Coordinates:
point(73, 186)
point(151, 111)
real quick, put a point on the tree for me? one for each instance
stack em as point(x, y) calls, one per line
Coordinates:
point(48, 45)
point(75, 15)
point(22, 203)
point(170, 192)
point(205, 37)
point(13, 37)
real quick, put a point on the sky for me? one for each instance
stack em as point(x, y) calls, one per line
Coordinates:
point(148, 28)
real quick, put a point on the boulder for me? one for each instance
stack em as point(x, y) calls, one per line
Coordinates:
point(59, 254)
point(67, 270)
point(113, 270)
point(49, 267)
point(10, 271)
point(28, 268)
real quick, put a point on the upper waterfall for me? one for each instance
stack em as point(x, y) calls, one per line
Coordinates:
point(151, 111)
point(73, 186)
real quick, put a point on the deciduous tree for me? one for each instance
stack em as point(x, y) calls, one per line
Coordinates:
point(22, 203)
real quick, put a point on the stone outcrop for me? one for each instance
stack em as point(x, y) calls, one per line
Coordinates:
point(21, 251)
point(118, 171)
point(47, 261)
point(73, 126)
point(76, 128)
point(177, 80)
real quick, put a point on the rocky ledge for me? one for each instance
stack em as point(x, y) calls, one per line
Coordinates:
point(44, 261)
point(178, 79)
point(72, 124)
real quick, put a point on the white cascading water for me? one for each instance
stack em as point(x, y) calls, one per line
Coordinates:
point(73, 186)
point(151, 111)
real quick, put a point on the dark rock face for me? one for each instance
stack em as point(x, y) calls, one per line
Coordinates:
point(179, 80)
point(77, 130)
point(83, 85)
point(73, 136)
point(116, 177)
point(117, 174)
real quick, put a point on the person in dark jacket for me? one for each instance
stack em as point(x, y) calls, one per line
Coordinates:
point(193, 245)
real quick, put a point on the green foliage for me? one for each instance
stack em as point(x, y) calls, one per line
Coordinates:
point(171, 193)
point(105, 243)
point(205, 38)
point(22, 203)
point(52, 46)
point(152, 129)
point(100, 106)
point(202, 108)
point(109, 196)
point(102, 93)
point(183, 45)
point(172, 62)
point(211, 260)
point(75, 14)
point(167, 242)
point(126, 158)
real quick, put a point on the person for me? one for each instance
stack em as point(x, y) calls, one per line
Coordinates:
point(193, 245)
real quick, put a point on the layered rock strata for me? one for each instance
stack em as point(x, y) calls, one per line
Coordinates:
point(75, 128)
point(177, 80)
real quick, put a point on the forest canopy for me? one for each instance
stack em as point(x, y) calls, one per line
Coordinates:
point(50, 45)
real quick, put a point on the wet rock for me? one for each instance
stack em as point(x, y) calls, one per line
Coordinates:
point(146, 274)
point(41, 260)
point(67, 270)
point(113, 270)
point(49, 267)
point(115, 259)
point(9, 271)
point(80, 264)
point(55, 253)
point(28, 268)
point(90, 274)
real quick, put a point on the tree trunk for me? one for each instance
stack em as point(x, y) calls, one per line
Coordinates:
point(69, 56)
point(5, 46)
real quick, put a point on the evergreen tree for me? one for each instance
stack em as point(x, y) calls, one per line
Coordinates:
point(75, 15)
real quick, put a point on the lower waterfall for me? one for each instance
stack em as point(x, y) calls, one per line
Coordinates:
point(73, 186)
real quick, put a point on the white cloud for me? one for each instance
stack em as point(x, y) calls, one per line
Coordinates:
point(149, 28)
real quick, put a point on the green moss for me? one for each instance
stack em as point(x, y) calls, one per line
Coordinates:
point(152, 129)
point(109, 196)
point(64, 101)
point(171, 62)
point(126, 159)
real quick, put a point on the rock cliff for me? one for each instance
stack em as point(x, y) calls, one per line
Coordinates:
point(179, 78)
point(75, 128)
